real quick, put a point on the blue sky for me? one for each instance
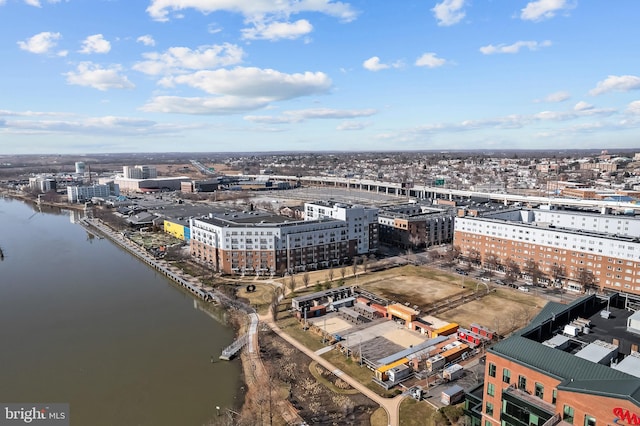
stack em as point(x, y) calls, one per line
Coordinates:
point(82, 76)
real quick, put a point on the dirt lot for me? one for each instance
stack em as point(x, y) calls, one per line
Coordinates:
point(503, 309)
point(415, 290)
point(495, 312)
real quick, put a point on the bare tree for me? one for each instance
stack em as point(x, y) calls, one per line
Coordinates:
point(512, 269)
point(558, 272)
point(343, 272)
point(474, 256)
point(305, 279)
point(365, 262)
point(330, 273)
point(491, 262)
point(354, 266)
point(292, 284)
point(587, 280)
point(532, 269)
point(275, 306)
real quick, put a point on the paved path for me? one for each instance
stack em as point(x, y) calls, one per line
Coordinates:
point(390, 405)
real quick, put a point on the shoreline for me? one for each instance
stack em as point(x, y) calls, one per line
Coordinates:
point(177, 276)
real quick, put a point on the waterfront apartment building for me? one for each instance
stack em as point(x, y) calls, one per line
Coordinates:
point(608, 246)
point(78, 194)
point(540, 376)
point(362, 221)
point(260, 243)
point(413, 226)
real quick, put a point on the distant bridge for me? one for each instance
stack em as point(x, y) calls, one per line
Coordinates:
point(424, 192)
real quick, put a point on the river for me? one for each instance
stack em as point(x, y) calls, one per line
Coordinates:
point(83, 322)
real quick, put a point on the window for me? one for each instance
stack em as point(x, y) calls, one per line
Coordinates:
point(554, 396)
point(491, 389)
point(489, 409)
point(492, 370)
point(487, 423)
point(506, 375)
point(567, 414)
point(539, 390)
point(522, 382)
point(589, 420)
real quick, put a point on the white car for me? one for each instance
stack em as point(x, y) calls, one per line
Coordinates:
point(523, 288)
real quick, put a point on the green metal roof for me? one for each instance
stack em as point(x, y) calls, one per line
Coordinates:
point(550, 310)
point(619, 388)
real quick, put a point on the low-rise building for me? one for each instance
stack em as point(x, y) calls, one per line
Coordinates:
point(528, 382)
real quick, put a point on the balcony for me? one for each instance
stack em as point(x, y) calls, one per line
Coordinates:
point(522, 409)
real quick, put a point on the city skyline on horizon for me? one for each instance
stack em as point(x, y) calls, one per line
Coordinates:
point(317, 76)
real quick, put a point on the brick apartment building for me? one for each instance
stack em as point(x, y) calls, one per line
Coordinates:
point(540, 376)
point(606, 245)
point(261, 243)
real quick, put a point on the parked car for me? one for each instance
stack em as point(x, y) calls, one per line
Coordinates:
point(485, 279)
point(523, 288)
point(499, 282)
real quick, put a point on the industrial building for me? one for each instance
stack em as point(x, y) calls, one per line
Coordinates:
point(606, 245)
point(542, 375)
point(261, 243)
point(179, 228)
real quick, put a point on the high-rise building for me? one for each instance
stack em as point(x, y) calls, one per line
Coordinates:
point(80, 167)
point(139, 172)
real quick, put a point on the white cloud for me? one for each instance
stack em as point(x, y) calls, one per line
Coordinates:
point(616, 83)
point(449, 12)
point(95, 44)
point(430, 60)
point(556, 97)
point(544, 9)
point(253, 10)
point(205, 106)
point(374, 64)
point(513, 48)
point(352, 125)
point(183, 59)
point(634, 107)
point(254, 83)
point(296, 116)
point(277, 30)
point(583, 106)
point(40, 43)
point(147, 40)
point(93, 75)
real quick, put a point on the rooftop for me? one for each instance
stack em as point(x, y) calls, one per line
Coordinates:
point(580, 375)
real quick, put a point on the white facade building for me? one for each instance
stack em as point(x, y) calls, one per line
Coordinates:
point(362, 221)
point(76, 194)
point(139, 172)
